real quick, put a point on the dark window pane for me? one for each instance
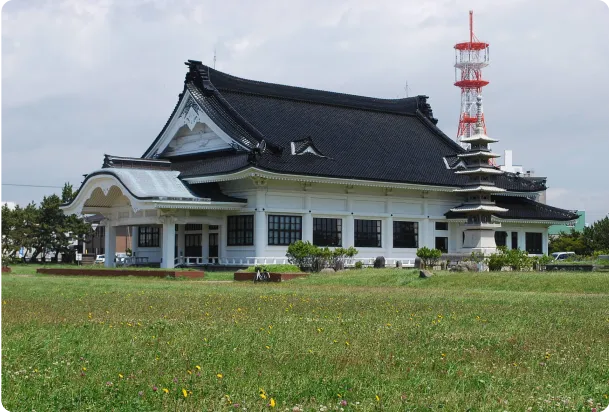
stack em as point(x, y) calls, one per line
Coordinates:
point(284, 230)
point(367, 233)
point(405, 234)
point(327, 232)
point(442, 244)
point(240, 230)
point(148, 236)
point(501, 238)
point(441, 225)
point(533, 243)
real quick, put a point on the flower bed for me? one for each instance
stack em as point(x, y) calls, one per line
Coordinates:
point(122, 272)
point(274, 276)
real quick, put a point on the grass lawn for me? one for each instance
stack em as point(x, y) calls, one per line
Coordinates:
point(357, 340)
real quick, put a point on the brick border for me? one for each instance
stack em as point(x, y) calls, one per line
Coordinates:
point(275, 277)
point(122, 272)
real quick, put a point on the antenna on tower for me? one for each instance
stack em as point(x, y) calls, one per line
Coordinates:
point(470, 58)
point(406, 88)
point(214, 58)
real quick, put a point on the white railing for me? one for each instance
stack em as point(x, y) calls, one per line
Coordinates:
point(252, 261)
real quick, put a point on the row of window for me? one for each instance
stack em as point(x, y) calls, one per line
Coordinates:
point(533, 241)
point(284, 230)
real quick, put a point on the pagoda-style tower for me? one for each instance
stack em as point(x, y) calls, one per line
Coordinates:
point(479, 207)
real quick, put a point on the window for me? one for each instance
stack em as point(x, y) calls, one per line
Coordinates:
point(327, 232)
point(405, 234)
point(441, 225)
point(193, 226)
point(501, 238)
point(514, 240)
point(442, 244)
point(213, 227)
point(533, 243)
point(148, 236)
point(284, 230)
point(367, 233)
point(240, 230)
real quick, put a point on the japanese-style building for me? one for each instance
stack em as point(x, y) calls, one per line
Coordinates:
point(243, 168)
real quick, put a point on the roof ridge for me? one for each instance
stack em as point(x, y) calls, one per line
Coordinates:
point(228, 82)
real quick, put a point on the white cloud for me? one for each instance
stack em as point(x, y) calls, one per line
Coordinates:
point(81, 79)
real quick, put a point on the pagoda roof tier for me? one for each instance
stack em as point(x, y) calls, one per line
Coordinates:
point(481, 171)
point(478, 208)
point(522, 208)
point(474, 189)
point(480, 153)
point(478, 138)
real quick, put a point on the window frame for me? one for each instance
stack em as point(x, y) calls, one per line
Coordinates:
point(532, 250)
point(396, 233)
point(278, 234)
point(442, 224)
point(498, 235)
point(325, 228)
point(240, 230)
point(443, 250)
point(366, 238)
point(148, 236)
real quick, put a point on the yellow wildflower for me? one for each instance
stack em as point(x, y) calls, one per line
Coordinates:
point(262, 393)
point(272, 403)
point(120, 375)
point(84, 369)
point(378, 399)
point(184, 392)
point(219, 376)
point(189, 372)
point(198, 367)
point(165, 390)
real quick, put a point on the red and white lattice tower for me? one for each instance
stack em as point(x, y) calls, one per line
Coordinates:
point(470, 58)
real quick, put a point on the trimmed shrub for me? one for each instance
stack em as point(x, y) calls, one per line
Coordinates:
point(429, 257)
point(359, 264)
point(274, 268)
point(310, 257)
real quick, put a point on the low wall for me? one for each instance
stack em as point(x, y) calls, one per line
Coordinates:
point(571, 268)
point(122, 272)
point(275, 277)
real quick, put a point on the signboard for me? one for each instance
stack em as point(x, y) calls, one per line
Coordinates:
point(79, 257)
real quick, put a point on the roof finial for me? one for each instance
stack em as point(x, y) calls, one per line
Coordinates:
point(479, 128)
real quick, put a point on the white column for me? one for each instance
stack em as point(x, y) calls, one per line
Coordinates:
point(110, 244)
point(425, 235)
point(307, 221)
point(349, 224)
point(181, 240)
point(388, 230)
point(544, 241)
point(222, 238)
point(522, 239)
point(205, 242)
point(134, 239)
point(260, 233)
point(169, 242)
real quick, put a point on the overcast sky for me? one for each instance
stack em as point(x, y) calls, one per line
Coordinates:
point(82, 79)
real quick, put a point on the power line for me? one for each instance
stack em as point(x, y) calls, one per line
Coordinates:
point(17, 184)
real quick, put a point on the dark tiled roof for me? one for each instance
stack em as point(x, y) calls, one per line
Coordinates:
point(524, 208)
point(210, 163)
point(394, 140)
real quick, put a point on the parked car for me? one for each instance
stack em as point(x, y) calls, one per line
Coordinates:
point(120, 257)
point(100, 259)
point(562, 255)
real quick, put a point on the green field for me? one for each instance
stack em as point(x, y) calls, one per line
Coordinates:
point(357, 340)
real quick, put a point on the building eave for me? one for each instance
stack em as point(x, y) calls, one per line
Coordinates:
point(257, 172)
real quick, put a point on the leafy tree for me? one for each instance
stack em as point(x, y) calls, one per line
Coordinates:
point(570, 242)
point(67, 193)
point(10, 223)
point(428, 256)
point(597, 235)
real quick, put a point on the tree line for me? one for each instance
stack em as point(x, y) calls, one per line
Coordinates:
point(42, 230)
point(594, 239)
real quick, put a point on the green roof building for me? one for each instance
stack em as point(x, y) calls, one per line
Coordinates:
point(579, 225)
